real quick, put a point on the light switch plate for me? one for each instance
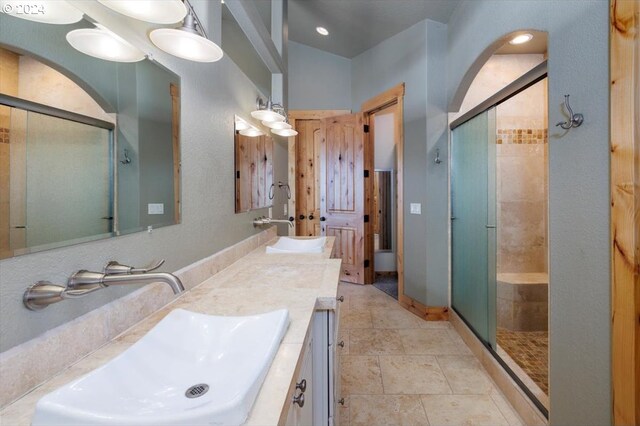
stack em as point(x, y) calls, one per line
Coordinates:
point(416, 208)
point(155, 208)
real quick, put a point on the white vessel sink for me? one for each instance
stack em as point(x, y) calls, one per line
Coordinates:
point(298, 245)
point(148, 383)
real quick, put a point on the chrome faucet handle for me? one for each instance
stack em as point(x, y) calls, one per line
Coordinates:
point(116, 268)
point(149, 268)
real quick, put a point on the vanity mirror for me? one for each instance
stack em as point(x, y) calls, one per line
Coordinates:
point(254, 167)
point(89, 148)
point(384, 196)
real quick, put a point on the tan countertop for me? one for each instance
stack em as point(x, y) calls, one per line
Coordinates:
point(256, 283)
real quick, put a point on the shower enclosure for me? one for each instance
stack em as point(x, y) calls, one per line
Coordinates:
point(58, 178)
point(499, 238)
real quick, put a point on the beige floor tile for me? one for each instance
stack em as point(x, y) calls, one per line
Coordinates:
point(507, 411)
point(368, 341)
point(360, 375)
point(380, 410)
point(355, 318)
point(415, 374)
point(476, 410)
point(343, 416)
point(373, 301)
point(441, 325)
point(426, 341)
point(396, 317)
point(465, 374)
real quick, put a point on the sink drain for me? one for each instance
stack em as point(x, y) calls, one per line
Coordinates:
point(197, 391)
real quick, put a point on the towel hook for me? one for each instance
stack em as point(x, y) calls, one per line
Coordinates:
point(437, 160)
point(575, 120)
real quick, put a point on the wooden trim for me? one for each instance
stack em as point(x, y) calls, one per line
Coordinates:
point(291, 203)
point(625, 203)
point(318, 114)
point(395, 96)
point(427, 313)
point(175, 137)
point(383, 99)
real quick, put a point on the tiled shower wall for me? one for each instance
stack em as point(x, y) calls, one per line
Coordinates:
point(522, 181)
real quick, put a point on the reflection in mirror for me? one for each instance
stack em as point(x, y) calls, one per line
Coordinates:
point(75, 133)
point(383, 207)
point(254, 168)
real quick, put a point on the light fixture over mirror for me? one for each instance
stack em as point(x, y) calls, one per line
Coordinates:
point(187, 42)
point(284, 132)
point(101, 43)
point(268, 112)
point(251, 132)
point(276, 124)
point(57, 12)
point(157, 12)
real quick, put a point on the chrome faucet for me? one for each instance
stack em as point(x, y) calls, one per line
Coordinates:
point(267, 220)
point(43, 293)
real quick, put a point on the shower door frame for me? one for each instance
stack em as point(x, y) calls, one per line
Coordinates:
point(34, 107)
point(522, 83)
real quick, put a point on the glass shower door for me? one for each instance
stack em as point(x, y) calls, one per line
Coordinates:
point(473, 230)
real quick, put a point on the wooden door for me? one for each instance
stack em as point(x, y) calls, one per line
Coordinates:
point(343, 193)
point(309, 140)
point(254, 172)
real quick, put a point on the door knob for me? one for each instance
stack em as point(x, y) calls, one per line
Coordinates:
point(322, 218)
point(299, 400)
point(310, 217)
point(302, 217)
point(291, 218)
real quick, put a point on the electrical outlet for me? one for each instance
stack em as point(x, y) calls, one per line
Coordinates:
point(416, 208)
point(155, 208)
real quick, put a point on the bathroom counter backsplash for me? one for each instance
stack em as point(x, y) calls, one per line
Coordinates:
point(256, 283)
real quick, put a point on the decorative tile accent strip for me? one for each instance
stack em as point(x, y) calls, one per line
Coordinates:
point(5, 135)
point(26, 366)
point(521, 136)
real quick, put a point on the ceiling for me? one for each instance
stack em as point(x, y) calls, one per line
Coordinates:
point(356, 25)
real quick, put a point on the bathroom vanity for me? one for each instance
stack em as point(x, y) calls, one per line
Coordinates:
point(299, 388)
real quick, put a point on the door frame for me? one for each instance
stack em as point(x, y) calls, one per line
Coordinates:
point(625, 204)
point(391, 97)
point(302, 115)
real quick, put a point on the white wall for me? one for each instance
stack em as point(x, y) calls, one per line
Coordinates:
point(210, 96)
point(580, 391)
point(318, 79)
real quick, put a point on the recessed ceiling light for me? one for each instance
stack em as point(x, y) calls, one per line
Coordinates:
point(322, 30)
point(522, 38)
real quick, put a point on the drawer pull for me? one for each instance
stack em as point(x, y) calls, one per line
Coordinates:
point(341, 344)
point(302, 385)
point(340, 299)
point(341, 401)
point(299, 400)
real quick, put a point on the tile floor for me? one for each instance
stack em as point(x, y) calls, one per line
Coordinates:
point(397, 369)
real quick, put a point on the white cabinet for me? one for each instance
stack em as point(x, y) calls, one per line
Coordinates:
point(326, 371)
point(301, 409)
point(313, 403)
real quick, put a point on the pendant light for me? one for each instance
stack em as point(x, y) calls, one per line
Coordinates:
point(284, 132)
point(186, 42)
point(101, 43)
point(154, 11)
point(252, 132)
point(57, 12)
point(278, 125)
point(266, 112)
